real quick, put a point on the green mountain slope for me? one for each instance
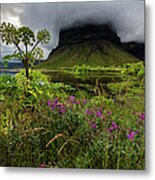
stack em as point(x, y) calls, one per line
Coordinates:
point(91, 45)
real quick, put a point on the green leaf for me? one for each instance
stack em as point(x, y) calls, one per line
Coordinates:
point(43, 36)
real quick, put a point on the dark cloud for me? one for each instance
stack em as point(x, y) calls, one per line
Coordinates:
point(127, 17)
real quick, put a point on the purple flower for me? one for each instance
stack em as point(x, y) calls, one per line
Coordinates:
point(61, 109)
point(72, 98)
point(98, 114)
point(111, 129)
point(48, 103)
point(114, 125)
point(131, 135)
point(53, 107)
point(88, 111)
point(93, 126)
point(56, 101)
point(84, 101)
point(142, 116)
point(109, 112)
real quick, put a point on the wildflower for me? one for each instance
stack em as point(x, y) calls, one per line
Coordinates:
point(114, 126)
point(56, 101)
point(109, 112)
point(53, 107)
point(98, 114)
point(49, 103)
point(61, 109)
point(84, 101)
point(72, 98)
point(93, 126)
point(111, 129)
point(88, 111)
point(43, 165)
point(142, 116)
point(131, 135)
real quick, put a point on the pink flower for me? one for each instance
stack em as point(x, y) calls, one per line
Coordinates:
point(93, 126)
point(84, 101)
point(43, 165)
point(114, 126)
point(142, 116)
point(131, 135)
point(61, 109)
point(98, 114)
point(53, 107)
point(111, 129)
point(49, 103)
point(72, 98)
point(109, 112)
point(88, 111)
point(56, 101)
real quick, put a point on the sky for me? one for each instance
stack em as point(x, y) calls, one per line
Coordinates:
point(127, 17)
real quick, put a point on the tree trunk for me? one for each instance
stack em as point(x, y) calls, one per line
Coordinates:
point(27, 71)
point(26, 66)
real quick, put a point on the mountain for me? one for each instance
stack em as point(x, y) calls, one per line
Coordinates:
point(94, 45)
point(135, 48)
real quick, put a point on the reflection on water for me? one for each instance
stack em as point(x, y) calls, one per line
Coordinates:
point(77, 80)
point(89, 78)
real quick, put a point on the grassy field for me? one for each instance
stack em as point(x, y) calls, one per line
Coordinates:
point(46, 124)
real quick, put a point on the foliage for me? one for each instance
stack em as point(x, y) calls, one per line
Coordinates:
point(26, 43)
point(56, 128)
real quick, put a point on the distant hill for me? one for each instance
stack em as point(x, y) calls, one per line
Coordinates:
point(11, 65)
point(135, 48)
point(94, 45)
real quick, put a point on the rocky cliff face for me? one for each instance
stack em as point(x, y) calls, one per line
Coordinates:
point(89, 33)
point(97, 37)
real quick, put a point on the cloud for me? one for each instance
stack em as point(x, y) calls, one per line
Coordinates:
point(127, 17)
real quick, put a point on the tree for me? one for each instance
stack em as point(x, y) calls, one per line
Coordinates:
point(25, 42)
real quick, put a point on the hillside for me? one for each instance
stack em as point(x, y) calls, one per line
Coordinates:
point(91, 45)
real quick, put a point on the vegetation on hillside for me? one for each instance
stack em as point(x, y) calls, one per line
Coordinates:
point(70, 56)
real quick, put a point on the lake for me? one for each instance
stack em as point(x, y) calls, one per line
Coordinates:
point(85, 81)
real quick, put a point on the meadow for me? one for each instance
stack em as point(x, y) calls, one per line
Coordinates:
point(95, 121)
